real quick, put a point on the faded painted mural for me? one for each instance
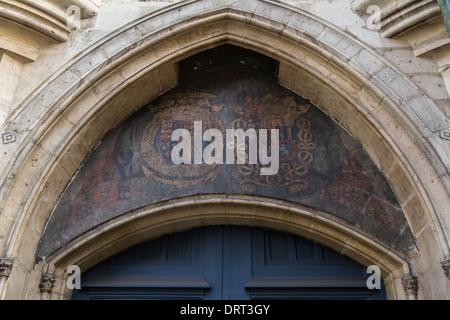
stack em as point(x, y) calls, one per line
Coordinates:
point(320, 165)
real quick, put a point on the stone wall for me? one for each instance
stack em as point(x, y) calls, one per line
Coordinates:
point(67, 88)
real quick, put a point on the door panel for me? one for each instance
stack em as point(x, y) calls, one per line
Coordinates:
point(227, 262)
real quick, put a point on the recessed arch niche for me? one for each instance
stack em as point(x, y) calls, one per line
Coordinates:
point(321, 166)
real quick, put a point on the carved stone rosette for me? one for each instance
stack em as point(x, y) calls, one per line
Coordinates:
point(410, 284)
point(46, 285)
point(446, 266)
point(5, 267)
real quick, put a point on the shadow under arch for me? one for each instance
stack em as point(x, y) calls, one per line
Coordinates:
point(174, 216)
point(88, 97)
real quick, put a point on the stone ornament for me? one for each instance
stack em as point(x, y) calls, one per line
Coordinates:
point(445, 134)
point(446, 266)
point(410, 285)
point(46, 285)
point(8, 137)
point(5, 267)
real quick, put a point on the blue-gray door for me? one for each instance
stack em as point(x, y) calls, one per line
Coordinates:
point(227, 262)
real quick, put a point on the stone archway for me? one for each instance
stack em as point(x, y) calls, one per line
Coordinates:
point(59, 124)
point(179, 215)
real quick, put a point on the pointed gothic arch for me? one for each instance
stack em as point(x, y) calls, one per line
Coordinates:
point(62, 121)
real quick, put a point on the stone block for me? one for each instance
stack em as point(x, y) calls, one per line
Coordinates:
point(168, 76)
point(348, 47)
point(4, 113)
point(308, 86)
point(56, 137)
point(73, 155)
point(417, 217)
point(444, 106)
point(139, 64)
point(121, 44)
point(247, 6)
point(28, 244)
point(120, 106)
point(380, 152)
point(368, 61)
point(440, 141)
point(273, 12)
point(152, 85)
point(330, 37)
point(270, 40)
point(401, 183)
point(356, 251)
point(402, 88)
point(108, 84)
point(32, 292)
point(8, 83)
point(306, 25)
point(55, 183)
point(292, 48)
point(427, 266)
point(15, 200)
point(387, 74)
point(36, 162)
point(9, 65)
point(287, 75)
point(41, 213)
point(405, 60)
point(65, 84)
point(17, 281)
point(6, 224)
point(92, 63)
point(26, 120)
point(432, 84)
point(96, 128)
point(319, 65)
point(79, 111)
point(355, 89)
point(428, 113)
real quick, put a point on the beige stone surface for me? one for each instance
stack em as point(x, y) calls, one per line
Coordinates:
point(61, 95)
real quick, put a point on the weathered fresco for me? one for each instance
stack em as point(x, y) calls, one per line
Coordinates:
point(320, 165)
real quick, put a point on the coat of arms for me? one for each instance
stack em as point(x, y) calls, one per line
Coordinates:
point(295, 146)
point(175, 112)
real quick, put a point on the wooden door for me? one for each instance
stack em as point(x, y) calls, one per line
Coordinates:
point(228, 263)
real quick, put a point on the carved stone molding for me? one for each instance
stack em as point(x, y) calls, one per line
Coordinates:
point(422, 23)
point(49, 18)
point(445, 134)
point(8, 137)
point(397, 18)
point(6, 265)
point(46, 285)
point(446, 266)
point(26, 25)
point(418, 17)
point(410, 285)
